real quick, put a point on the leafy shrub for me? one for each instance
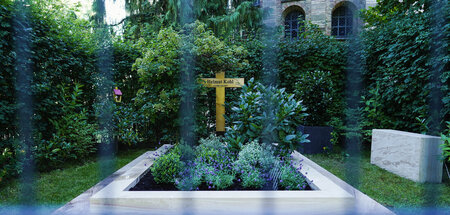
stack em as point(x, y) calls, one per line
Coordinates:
point(60, 51)
point(125, 78)
point(73, 139)
point(249, 156)
point(321, 95)
point(252, 179)
point(291, 179)
point(211, 177)
point(191, 178)
point(313, 68)
point(167, 167)
point(126, 122)
point(401, 52)
point(265, 114)
point(160, 70)
point(211, 167)
point(11, 166)
point(218, 179)
point(253, 163)
point(253, 155)
point(207, 155)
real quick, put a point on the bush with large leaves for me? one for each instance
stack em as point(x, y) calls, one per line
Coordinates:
point(265, 114)
point(74, 136)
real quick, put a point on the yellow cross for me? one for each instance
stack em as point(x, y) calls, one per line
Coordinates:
point(220, 83)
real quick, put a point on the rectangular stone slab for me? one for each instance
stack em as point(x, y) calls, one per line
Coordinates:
point(409, 155)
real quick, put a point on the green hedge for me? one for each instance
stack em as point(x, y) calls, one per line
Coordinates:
point(313, 68)
point(62, 57)
point(401, 53)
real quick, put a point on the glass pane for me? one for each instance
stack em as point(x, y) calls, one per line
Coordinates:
point(334, 32)
point(349, 21)
point(341, 31)
point(341, 21)
point(338, 12)
point(334, 21)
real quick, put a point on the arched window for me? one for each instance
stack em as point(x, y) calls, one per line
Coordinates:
point(292, 23)
point(342, 22)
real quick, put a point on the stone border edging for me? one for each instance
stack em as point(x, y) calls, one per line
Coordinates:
point(81, 204)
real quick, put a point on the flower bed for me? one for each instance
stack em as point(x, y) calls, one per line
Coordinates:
point(329, 195)
point(213, 166)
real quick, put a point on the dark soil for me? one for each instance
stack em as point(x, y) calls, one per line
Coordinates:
point(147, 183)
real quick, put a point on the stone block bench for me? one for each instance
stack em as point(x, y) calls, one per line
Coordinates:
point(409, 155)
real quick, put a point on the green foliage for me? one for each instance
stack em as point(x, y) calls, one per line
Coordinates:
point(322, 97)
point(290, 179)
point(252, 179)
point(126, 79)
point(160, 70)
point(11, 166)
point(62, 52)
point(404, 48)
point(313, 68)
point(167, 167)
point(126, 121)
point(253, 161)
point(253, 155)
point(265, 114)
point(8, 120)
point(249, 156)
point(210, 149)
point(212, 167)
point(243, 17)
point(446, 145)
point(252, 59)
point(220, 180)
point(313, 51)
point(260, 166)
point(73, 139)
point(375, 117)
point(191, 178)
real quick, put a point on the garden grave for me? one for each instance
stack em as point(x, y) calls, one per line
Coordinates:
point(329, 195)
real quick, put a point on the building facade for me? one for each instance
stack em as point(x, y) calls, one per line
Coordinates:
point(334, 17)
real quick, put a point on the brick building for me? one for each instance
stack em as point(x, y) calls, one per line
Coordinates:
point(334, 17)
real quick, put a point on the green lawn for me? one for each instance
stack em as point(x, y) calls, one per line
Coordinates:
point(386, 188)
point(60, 186)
